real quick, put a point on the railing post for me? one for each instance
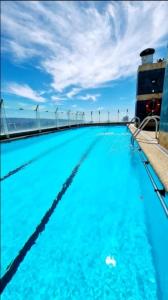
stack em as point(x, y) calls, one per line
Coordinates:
point(68, 113)
point(108, 117)
point(127, 114)
point(80, 118)
point(56, 117)
point(83, 117)
point(72, 118)
point(3, 119)
point(99, 116)
point(91, 114)
point(76, 117)
point(38, 117)
point(118, 115)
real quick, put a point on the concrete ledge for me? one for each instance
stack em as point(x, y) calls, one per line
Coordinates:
point(156, 154)
point(163, 139)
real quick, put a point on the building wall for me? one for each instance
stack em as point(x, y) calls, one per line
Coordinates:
point(150, 80)
point(163, 131)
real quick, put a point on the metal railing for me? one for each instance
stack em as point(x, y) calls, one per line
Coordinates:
point(136, 119)
point(39, 118)
point(143, 124)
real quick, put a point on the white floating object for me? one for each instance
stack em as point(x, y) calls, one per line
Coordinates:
point(110, 260)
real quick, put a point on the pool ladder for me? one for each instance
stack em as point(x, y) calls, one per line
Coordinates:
point(160, 192)
point(142, 125)
point(134, 119)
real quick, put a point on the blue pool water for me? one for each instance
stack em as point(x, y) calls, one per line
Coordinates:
point(107, 238)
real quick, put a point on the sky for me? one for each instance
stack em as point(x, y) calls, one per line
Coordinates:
point(79, 55)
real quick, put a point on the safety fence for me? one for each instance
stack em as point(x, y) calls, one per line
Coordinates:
point(21, 119)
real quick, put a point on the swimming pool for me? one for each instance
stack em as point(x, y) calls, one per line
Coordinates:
point(80, 219)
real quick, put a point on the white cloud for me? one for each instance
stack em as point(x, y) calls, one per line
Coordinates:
point(78, 44)
point(57, 98)
point(19, 51)
point(89, 97)
point(73, 92)
point(24, 91)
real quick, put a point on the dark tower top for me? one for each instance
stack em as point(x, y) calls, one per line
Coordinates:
point(147, 51)
point(147, 56)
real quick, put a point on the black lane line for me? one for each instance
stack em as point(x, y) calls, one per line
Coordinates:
point(36, 158)
point(6, 278)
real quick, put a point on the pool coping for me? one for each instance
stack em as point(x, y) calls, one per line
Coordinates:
point(155, 153)
point(34, 133)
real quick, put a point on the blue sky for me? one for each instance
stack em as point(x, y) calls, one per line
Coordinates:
point(79, 55)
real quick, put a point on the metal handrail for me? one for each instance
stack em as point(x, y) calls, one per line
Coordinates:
point(144, 123)
point(141, 124)
point(134, 119)
point(146, 120)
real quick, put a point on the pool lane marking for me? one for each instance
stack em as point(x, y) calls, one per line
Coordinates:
point(12, 269)
point(36, 158)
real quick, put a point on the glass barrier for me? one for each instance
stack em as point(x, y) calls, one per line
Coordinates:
point(47, 119)
point(22, 119)
point(18, 120)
